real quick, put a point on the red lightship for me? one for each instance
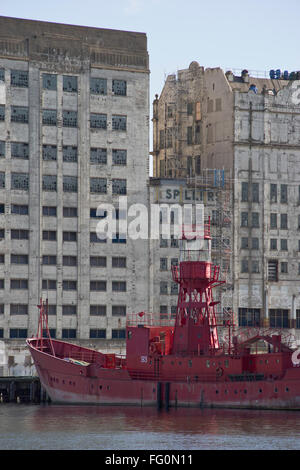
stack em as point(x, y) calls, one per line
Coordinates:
point(175, 363)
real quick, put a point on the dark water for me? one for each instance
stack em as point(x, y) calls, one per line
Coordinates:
point(57, 427)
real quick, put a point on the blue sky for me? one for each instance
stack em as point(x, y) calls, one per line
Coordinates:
point(256, 35)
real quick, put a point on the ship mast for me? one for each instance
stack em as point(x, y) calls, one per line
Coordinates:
point(195, 326)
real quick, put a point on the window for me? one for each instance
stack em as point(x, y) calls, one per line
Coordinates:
point(255, 266)
point(283, 221)
point(20, 181)
point(49, 259)
point(99, 310)
point(255, 192)
point(99, 286)
point(279, 318)
point(255, 219)
point(119, 157)
point(68, 333)
point(98, 155)
point(283, 267)
point(119, 123)
point(69, 309)
point(2, 257)
point(297, 318)
point(70, 83)
point(18, 234)
point(255, 243)
point(119, 186)
point(49, 284)
point(273, 270)
point(118, 334)
point(273, 193)
point(70, 211)
point(273, 244)
point(163, 287)
point(161, 139)
point(95, 239)
point(2, 207)
point(174, 242)
point(249, 317)
point(49, 152)
point(119, 238)
point(118, 310)
point(70, 184)
point(1, 283)
point(273, 221)
point(49, 235)
point(189, 134)
point(98, 86)
point(49, 183)
point(49, 117)
point(174, 288)
point(244, 266)
point(2, 179)
point(19, 209)
point(49, 81)
point(2, 234)
point(97, 333)
point(69, 153)
point(19, 150)
point(1, 309)
point(283, 244)
point(244, 243)
point(283, 193)
point(244, 219)
point(244, 192)
point(19, 114)
point(2, 148)
point(69, 236)
point(19, 259)
point(98, 121)
point(118, 262)
point(69, 285)
point(169, 137)
point(190, 108)
point(19, 78)
point(15, 333)
point(2, 75)
point(70, 118)
point(49, 211)
point(19, 284)
point(98, 185)
point(2, 112)
point(119, 286)
point(163, 264)
point(119, 87)
point(69, 260)
point(18, 309)
point(174, 261)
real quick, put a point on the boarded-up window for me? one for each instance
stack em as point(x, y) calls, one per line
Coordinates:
point(273, 270)
point(198, 111)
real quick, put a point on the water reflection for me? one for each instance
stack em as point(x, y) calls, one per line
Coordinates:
point(89, 427)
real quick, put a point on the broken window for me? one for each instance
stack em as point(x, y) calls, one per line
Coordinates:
point(69, 153)
point(2, 148)
point(119, 157)
point(118, 310)
point(98, 155)
point(119, 186)
point(49, 183)
point(273, 270)
point(70, 83)
point(19, 114)
point(19, 150)
point(98, 121)
point(98, 86)
point(99, 310)
point(49, 81)
point(19, 78)
point(119, 87)
point(20, 181)
point(70, 184)
point(119, 123)
point(2, 179)
point(49, 117)
point(2, 112)
point(70, 118)
point(98, 185)
point(49, 152)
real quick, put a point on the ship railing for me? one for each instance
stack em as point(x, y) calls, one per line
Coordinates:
point(193, 272)
point(150, 319)
point(145, 375)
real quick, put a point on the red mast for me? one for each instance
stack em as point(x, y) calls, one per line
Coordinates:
point(195, 325)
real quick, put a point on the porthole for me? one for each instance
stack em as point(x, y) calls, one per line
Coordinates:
point(287, 389)
point(260, 390)
point(100, 387)
point(245, 391)
point(275, 390)
point(217, 391)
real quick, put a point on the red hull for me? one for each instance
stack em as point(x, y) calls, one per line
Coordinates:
point(67, 382)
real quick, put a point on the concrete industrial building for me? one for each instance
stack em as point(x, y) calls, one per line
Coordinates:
point(74, 130)
point(205, 118)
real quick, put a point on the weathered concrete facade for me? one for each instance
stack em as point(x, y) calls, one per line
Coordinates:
point(250, 127)
point(74, 129)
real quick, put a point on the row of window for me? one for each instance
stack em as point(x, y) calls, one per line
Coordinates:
point(254, 218)
point(51, 284)
point(164, 263)
point(67, 333)
point(69, 153)
point(274, 268)
point(278, 318)
point(51, 260)
point(20, 181)
point(20, 114)
point(278, 193)
point(165, 290)
point(51, 211)
point(95, 310)
point(51, 235)
point(98, 86)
